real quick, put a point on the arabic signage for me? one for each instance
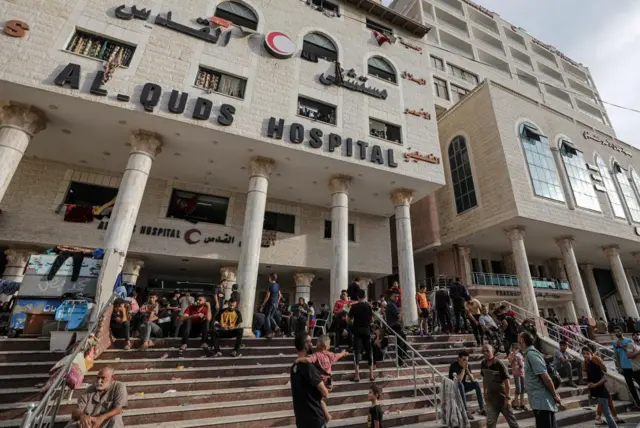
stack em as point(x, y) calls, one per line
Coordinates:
point(36, 283)
point(15, 28)
point(339, 80)
point(415, 156)
point(556, 51)
point(32, 306)
point(515, 292)
point(194, 236)
point(150, 96)
point(419, 113)
point(409, 76)
point(334, 141)
point(595, 137)
point(480, 8)
point(279, 45)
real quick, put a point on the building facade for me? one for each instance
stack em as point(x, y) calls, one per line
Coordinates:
point(217, 139)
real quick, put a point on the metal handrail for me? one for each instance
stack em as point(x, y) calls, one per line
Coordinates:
point(35, 417)
point(413, 355)
point(557, 332)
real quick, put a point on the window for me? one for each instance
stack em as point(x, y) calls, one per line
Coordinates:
point(278, 222)
point(440, 88)
point(371, 25)
point(610, 188)
point(579, 177)
point(89, 194)
point(326, 5)
point(381, 68)
point(316, 110)
point(237, 13)
point(464, 190)
point(196, 207)
point(216, 81)
point(100, 47)
point(385, 131)
point(456, 71)
point(351, 231)
point(635, 179)
point(437, 63)
point(321, 46)
point(627, 192)
point(457, 93)
point(542, 167)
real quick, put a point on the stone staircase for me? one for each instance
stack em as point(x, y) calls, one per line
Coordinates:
point(166, 390)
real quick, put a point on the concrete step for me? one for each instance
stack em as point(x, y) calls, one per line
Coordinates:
point(24, 344)
point(29, 356)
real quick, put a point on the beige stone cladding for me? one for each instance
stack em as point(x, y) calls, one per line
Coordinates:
point(39, 187)
point(171, 60)
point(474, 120)
point(511, 110)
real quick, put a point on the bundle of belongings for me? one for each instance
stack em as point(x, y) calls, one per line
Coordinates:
point(80, 365)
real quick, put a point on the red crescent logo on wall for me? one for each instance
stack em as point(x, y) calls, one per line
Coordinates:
point(187, 236)
point(279, 45)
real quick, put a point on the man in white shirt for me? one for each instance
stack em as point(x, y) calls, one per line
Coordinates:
point(185, 301)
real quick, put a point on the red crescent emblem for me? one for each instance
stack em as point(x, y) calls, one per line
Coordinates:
point(279, 44)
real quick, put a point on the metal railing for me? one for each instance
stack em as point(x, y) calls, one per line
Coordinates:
point(506, 280)
point(425, 375)
point(43, 414)
point(575, 339)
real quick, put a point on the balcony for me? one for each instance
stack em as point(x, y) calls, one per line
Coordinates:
point(527, 78)
point(559, 94)
point(452, 22)
point(550, 72)
point(580, 88)
point(455, 44)
point(542, 52)
point(590, 110)
point(522, 58)
point(483, 20)
point(488, 40)
point(504, 280)
point(453, 5)
point(494, 62)
point(427, 11)
point(574, 71)
point(514, 37)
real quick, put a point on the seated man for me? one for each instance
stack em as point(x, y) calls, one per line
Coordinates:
point(165, 318)
point(299, 315)
point(149, 312)
point(197, 318)
point(460, 370)
point(101, 404)
point(226, 326)
point(339, 323)
point(565, 364)
point(121, 322)
point(283, 317)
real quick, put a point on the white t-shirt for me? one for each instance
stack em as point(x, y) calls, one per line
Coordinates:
point(185, 302)
point(635, 362)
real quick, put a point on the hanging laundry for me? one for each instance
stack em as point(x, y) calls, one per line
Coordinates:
point(78, 214)
point(59, 261)
point(104, 210)
point(381, 38)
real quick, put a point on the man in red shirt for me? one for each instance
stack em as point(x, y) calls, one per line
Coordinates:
point(340, 309)
point(197, 317)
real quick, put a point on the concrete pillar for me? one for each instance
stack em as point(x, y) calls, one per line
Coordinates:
point(636, 256)
point(587, 269)
point(18, 124)
point(558, 269)
point(303, 285)
point(17, 259)
point(528, 295)
point(466, 268)
point(364, 284)
point(401, 199)
point(144, 147)
point(631, 281)
point(579, 294)
point(131, 270)
point(509, 264)
point(564, 178)
point(260, 169)
point(228, 273)
point(571, 313)
point(339, 186)
point(545, 271)
point(613, 253)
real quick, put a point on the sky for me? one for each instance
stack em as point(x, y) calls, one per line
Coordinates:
point(604, 38)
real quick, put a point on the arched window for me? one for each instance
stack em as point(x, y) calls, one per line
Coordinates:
point(381, 68)
point(635, 179)
point(237, 13)
point(321, 46)
point(542, 167)
point(461, 177)
point(579, 177)
point(627, 192)
point(610, 187)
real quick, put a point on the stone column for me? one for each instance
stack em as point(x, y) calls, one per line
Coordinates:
point(613, 253)
point(260, 169)
point(529, 302)
point(564, 178)
point(466, 267)
point(632, 284)
point(131, 270)
point(558, 266)
point(18, 124)
point(509, 264)
point(593, 290)
point(579, 294)
point(144, 148)
point(229, 273)
point(17, 259)
point(364, 284)
point(401, 199)
point(339, 186)
point(571, 313)
point(303, 285)
point(636, 256)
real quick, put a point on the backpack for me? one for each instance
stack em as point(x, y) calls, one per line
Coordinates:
point(551, 371)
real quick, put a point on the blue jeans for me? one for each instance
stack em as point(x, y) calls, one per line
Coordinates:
point(270, 323)
point(465, 387)
point(604, 403)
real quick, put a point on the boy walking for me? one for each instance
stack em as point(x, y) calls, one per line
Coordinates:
point(423, 310)
point(374, 420)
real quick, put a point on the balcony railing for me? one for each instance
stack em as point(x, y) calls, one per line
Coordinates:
point(505, 280)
